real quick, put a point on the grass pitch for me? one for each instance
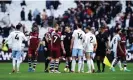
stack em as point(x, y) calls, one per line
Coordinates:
point(6, 68)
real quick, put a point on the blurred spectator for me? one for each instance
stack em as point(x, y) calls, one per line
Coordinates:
point(22, 14)
point(44, 18)
point(6, 31)
point(23, 3)
point(6, 20)
point(128, 9)
point(38, 19)
point(30, 15)
point(35, 13)
point(0, 30)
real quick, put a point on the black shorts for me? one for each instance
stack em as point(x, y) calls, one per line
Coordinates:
point(68, 53)
point(46, 54)
point(101, 53)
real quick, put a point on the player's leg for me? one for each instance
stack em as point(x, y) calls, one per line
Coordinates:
point(13, 60)
point(57, 56)
point(80, 55)
point(120, 66)
point(115, 61)
point(88, 62)
point(35, 61)
point(30, 60)
point(52, 62)
point(74, 54)
point(92, 63)
point(82, 67)
point(98, 63)
point(125, 64)
point(102, 59)
point(18, 58)
point(47, 60)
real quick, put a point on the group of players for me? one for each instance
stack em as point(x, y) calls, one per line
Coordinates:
point(70, 44)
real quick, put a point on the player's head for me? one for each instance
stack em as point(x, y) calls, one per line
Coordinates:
point(67, 29)
point(35, 27)
point(79, 25)
point(118, 31)
point(87, 29)
point(18, 27)
point(123, 32)
point(102, 29)
point(56, 27)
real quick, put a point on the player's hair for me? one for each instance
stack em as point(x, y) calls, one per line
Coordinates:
point(79, 25)
point(18, 27)
point(117, 30)
point(89, 28)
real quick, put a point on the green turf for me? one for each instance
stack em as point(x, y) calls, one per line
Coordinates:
point(5, 69)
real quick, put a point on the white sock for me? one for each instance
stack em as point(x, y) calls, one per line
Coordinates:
point(13, 63)
point(89, 65)
point(18, 65)
point(113, 62)
point(92, 64)
point(79, 65)
point(73, 65)
point(82, 67)
point(119, 64)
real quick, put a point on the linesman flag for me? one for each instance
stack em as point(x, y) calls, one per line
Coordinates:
point(106, 61)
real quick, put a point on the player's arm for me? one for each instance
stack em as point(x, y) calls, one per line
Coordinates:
point(95, 44)
point(62, 44)
point(72, 40)
point(119, 46)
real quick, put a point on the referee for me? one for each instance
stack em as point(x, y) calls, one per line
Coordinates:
point(102, 42)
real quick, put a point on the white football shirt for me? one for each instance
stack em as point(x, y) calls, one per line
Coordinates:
point(79, 37)
point(114, 42)
point(16, 38)
point(90, 40)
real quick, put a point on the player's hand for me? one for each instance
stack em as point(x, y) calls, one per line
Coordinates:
point(45, 49)
point(94, 49)
point(64, 52)
point(70, 48)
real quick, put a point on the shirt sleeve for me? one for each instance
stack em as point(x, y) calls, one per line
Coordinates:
point(73, 35)
point(62, 37)
point(94, 40)
point(9, 37)
point(24, 37)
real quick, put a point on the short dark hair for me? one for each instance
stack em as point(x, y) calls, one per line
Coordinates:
point(117, 30)
point(18, 27)
point(79, 25)
point(88, 27)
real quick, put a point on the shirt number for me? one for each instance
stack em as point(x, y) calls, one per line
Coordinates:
point(91, 38)
point(16, 37)
point(79, 36)
point(55, 38)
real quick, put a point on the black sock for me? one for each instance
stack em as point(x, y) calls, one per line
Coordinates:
point(103, 67)
point(69, 65)
point(98, 64)
point(46, 64)
point(29, 62)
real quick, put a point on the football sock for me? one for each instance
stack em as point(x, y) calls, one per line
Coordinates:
point(98, 64)
point(89, 65)
point(52, 65)
point(13, 63)
point(69, 65)
point(119, 64)
point(56, 65)
point(125, 65)
point(73, 65)
point(29, 62)
point(92, 64)
point(115, 62)
point(103, 66)
point(34, 65)
point(18, 65)
point(79, 65)
point(46, 64)
point(82, 67)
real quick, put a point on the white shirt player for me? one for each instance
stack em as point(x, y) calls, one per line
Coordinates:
point(114, 42)
point(16, 38)
point(79, 37)
point(90, 40)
